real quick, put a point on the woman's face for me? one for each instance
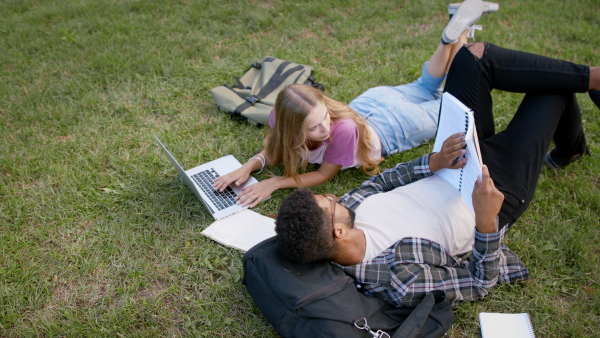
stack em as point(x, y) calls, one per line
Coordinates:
point(318, 124)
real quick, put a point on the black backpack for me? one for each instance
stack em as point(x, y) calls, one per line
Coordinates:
point(320, 300)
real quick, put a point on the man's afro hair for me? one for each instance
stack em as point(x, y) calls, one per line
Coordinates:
point(303, 234)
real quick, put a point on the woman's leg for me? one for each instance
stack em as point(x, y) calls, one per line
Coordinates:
point(440, 61)
point(428, 86)
point(406, 116)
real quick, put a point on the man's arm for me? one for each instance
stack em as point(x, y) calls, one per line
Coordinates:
point(427, 267)
point(469, 280)
point(409, 172)
point(487, 202)
point(402, 174)
point(472, 281)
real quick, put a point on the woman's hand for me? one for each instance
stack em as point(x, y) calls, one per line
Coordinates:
point(451, 154)
point(237, 177)
point(258, 192)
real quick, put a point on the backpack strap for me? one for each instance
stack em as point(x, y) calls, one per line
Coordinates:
point(239, 84)
point(274, 82)
point(232, 115)
point(311, 81)
point(433, 317)
point(278, 77)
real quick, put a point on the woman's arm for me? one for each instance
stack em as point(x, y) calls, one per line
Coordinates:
point(260, 191)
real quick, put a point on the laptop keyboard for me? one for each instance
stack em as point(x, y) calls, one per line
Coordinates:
point(205, 180)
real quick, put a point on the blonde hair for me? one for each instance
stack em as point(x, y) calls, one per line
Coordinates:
point(286, 142)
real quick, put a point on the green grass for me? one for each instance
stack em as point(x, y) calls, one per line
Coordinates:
point(98, 236)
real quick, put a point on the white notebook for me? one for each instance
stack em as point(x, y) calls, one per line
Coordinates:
point(456, 117)
point(503, 325)
point(241, 230)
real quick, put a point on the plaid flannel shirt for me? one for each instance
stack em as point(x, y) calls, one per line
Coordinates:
point(412, 267)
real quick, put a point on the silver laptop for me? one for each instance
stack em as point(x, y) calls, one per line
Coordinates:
point(200, 180)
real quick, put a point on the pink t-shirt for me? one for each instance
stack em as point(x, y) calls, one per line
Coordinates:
point(341, 146)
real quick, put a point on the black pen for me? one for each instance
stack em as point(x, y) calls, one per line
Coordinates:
point(456, 159)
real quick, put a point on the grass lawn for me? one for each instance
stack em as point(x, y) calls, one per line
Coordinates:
point(99, 237)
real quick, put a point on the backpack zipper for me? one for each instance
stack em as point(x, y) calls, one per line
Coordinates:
point(324, 291)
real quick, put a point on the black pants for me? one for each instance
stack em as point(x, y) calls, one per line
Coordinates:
point(549, 111)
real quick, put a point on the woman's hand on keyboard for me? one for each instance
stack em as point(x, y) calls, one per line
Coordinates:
point(258, 192)
point(236, 177)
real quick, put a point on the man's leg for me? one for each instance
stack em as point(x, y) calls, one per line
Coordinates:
point(515, 155)
point(478, 69)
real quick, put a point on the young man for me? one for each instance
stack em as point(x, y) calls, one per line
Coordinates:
point(406, 232)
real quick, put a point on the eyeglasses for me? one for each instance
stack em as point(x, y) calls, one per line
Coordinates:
point(333, 200)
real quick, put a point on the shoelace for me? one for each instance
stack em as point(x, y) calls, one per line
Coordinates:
point(472, 29)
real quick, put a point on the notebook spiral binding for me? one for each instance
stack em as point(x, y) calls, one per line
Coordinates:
point(462, 169)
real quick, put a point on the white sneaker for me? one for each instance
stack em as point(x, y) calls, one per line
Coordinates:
point(488, 7)
point(467, 14)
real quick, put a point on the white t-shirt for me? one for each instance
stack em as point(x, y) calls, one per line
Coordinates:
point(429, 208)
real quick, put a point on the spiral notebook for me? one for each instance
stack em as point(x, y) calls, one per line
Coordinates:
point(455, 117)
point(502, 325)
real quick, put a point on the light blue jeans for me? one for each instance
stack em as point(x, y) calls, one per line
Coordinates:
point(404, 116)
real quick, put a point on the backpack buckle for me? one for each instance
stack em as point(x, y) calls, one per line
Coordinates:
point(365, 326)
point(380, 334)
point(253, 99)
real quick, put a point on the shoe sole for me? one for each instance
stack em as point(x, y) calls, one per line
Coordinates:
point(488, 7)
point(467, 14)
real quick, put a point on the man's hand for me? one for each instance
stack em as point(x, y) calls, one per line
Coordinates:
point(451, 154)
point(487, 201)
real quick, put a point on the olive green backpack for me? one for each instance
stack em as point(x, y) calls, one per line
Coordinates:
point(253, 96)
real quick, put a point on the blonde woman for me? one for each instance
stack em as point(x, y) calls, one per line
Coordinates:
point(309, 127)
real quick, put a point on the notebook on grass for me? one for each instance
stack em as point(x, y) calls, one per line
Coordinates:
point(455, 117)
point(501, 325)
point(201, 178)
point(241, 231)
